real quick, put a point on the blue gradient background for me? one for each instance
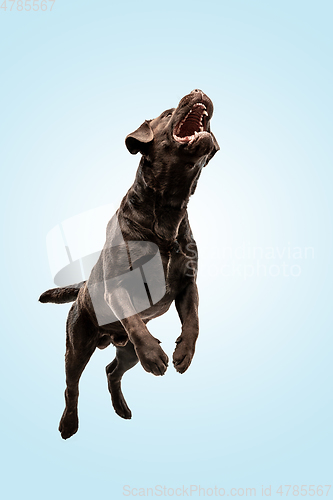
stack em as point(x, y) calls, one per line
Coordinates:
point(255, 407)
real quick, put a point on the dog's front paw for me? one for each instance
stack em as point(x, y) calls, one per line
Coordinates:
point(182, 355)
point(69, 424)
point(153, 358)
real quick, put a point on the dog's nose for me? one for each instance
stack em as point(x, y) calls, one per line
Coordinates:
point(198, 93)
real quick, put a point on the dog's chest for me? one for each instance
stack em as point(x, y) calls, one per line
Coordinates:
point(179, 267)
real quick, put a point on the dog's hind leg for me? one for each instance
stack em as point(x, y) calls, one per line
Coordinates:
point(125, 359)
point(80, 345)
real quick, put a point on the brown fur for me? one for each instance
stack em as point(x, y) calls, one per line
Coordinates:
point(153, 210)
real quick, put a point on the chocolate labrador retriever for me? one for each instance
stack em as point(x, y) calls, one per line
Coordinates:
point(153, 214)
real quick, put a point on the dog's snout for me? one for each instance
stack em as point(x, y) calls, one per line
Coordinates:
point(198, 94)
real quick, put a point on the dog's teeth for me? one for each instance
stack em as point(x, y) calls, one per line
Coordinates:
point(205, 113)
point(201, 129)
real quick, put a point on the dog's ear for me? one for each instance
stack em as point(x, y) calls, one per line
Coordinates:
point(140, 138)
point(215, 149)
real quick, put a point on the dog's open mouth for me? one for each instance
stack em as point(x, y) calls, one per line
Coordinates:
point(192, 125)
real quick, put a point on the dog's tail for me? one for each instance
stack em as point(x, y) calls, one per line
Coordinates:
point(62, 294)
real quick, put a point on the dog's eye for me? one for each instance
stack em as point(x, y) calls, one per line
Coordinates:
point(167, 113)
